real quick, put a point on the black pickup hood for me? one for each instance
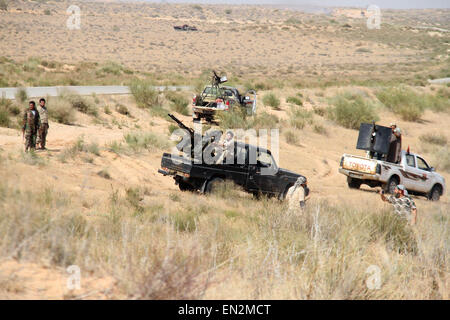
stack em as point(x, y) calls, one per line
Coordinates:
point(290, 174)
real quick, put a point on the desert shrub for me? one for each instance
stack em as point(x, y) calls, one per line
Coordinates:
point(61, 111)
point(351, 110)
point(439, 139)
point(291, 137)
point(21, 95)
point(5, 121)
point(111, 68)
point(405, 102)
point(236, 118)
point(7, 109)
point(120, 108)
point(104, 174)
point(264, 120)
point(295, 100)
point(81, 104)
point(145, 95)
point(178, 102)
point(271, 100)
point(228, 11)
point(139, 141)
point(107, 110)
point(299, 118)
point(77, 147)
point(3, 5)
point(320, 129)
point(47, 12)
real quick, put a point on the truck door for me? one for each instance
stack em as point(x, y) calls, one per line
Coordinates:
point(412, 177)
point(257, 180)
point(425, 171)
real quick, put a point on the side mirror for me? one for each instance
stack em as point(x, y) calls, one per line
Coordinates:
point(432, 169)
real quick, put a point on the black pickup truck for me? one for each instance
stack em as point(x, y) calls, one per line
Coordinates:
point(262, 177)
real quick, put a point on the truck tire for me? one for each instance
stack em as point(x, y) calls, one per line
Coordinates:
point(185, 186)
point(353, 183)
point(391, 185)
point(435, 193)
point(212, 184)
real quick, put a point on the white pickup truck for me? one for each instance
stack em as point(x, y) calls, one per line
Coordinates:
point(412, 171)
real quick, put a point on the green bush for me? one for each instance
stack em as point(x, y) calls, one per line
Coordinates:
point(409, 105)
point(145, 95)
point(291, 137)
point(236, 118)
point(4, 118)
point(149, 140)
point(178, 102)
point(21, 95)
point(3, 5)
point(299, 118)
point(271, 100)
point(61, 111)
point(351, 110)
point(120, 108)
point(295, 100)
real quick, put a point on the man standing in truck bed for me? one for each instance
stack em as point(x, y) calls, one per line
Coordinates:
point(395, 147)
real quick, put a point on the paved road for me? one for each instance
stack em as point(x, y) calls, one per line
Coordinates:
point(34, 92)
point(440, 81)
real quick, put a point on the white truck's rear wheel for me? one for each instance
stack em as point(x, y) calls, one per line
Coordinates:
point(353, 183)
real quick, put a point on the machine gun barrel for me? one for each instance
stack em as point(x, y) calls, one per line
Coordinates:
point(181, 124)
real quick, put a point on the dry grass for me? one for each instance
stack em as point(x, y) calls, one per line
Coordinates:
point(229, 246)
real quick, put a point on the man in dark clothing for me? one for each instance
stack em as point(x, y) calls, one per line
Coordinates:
point(31, 122)
point(395, 147)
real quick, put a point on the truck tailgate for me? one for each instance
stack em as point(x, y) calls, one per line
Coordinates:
point(176, 163)
point(360, 164)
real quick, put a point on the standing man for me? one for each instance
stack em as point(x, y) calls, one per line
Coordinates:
point(296, 195)
point(395, 147)
point(30, 126)
point(403, 204)
point(43, 128)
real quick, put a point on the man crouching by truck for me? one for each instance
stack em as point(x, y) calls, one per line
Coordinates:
point(403, 204)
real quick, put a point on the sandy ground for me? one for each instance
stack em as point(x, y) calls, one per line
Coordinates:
point(256, 40)
point(251, 39)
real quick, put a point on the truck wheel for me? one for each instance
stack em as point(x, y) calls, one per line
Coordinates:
point(391, 185)
point(353, 183)
point(185, 186)
point(435, 193)
point(213, 184)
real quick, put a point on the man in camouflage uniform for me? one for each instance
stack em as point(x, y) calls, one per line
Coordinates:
point(43, 127)
point(296, 195)
point(30, 126)
point(403, 204)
